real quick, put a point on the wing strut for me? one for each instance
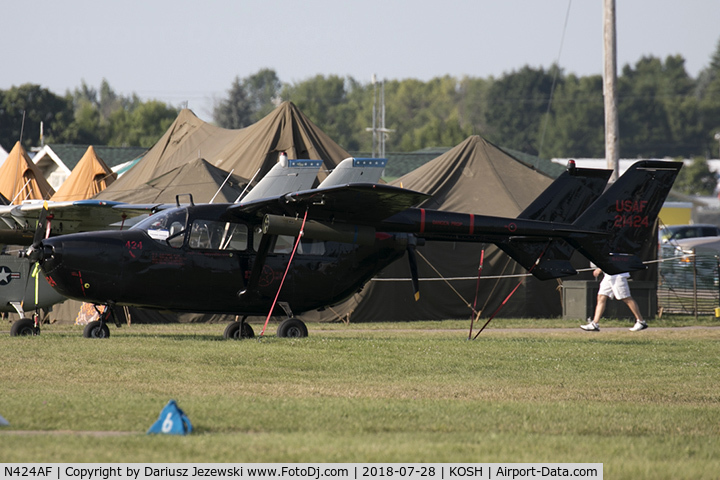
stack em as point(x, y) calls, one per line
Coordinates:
point(477, 290)
point(292, 255)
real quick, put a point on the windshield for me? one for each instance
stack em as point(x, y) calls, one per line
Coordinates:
point(164, 224)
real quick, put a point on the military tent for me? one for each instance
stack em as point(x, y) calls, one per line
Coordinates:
point(20, 179)
point(474, 177)
point(89, 177)
point(245, 152)
point(57, 160)
point(200, 178)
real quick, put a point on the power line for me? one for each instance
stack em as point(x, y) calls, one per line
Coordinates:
point(557, 72)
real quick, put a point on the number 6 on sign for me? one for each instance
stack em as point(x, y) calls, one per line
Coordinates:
point(168, 423)
point(172, 421)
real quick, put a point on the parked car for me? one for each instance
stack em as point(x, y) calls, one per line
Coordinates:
point(678, 232)
point(678, 265)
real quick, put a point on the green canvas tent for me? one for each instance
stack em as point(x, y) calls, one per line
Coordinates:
point(474, 177)
point(248, 153)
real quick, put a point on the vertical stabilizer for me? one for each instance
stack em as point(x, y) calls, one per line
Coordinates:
point(563, 201)
point(626, 213)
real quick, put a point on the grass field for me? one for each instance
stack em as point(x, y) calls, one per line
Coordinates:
point(646, 405)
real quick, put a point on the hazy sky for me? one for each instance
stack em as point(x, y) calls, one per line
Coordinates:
point(190, 51)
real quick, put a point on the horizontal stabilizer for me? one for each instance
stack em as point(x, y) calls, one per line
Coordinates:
point(545, 260)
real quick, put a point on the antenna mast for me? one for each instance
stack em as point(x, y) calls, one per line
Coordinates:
point(379, 133)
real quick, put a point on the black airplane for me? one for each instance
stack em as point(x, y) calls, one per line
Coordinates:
point(306, 250)
point(19, 225)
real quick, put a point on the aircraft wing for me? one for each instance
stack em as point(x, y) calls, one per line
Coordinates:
point(359, 203)
point(18, 222)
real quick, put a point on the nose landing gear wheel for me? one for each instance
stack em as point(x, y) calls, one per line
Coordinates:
point(96, 329)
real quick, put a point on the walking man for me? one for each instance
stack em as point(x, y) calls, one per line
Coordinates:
point(614, 286)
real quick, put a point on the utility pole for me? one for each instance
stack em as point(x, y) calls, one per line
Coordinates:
point(612, 138)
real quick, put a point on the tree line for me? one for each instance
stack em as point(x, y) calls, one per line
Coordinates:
point(663, 111)
point(85, 116)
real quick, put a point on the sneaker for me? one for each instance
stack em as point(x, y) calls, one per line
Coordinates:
point(639, 325)
point(590, 326)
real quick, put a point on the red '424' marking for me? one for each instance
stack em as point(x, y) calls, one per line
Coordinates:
point(633, 221)
point(133, 245)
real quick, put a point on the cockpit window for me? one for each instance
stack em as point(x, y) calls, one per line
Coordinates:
point(283, 244)
point(213, 235)
point(311, 247)
point(163, 225)
point(286, 243)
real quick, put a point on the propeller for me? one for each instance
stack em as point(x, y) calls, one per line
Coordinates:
point(43, 228)
point(34, 252)
point(413, 242)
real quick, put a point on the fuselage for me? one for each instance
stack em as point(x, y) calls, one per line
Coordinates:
point(193, 259)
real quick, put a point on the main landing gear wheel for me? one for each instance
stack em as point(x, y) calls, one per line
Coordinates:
point(24, 327)
point(238, 331)
point(292, 328)
point(96, 329)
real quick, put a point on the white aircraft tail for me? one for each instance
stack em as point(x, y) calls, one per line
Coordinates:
point(355, 170)
point(285, 177)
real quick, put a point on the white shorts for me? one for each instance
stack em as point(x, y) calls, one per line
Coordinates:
point(615, 286)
